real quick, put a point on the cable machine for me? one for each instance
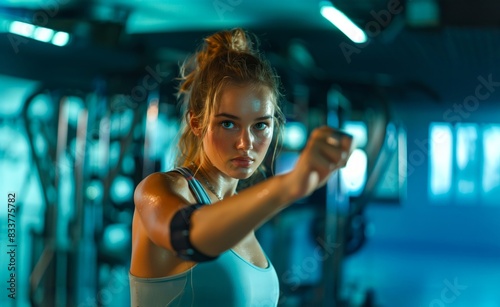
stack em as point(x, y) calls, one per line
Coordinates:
point(76, 157)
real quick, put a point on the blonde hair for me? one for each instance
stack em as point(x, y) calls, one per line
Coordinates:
point(226, 58)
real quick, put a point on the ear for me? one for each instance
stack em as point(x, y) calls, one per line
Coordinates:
point(194, 124)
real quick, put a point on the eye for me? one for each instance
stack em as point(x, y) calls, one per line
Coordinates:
point(227, 124)
point(261, 126)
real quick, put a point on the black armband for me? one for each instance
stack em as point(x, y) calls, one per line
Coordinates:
point(180, 227)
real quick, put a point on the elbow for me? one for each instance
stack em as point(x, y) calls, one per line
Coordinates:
point(181, 237)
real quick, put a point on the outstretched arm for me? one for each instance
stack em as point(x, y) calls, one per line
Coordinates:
point(217, 228)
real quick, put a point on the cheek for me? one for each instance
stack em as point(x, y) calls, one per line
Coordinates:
point(219, 141)
point(265, 138)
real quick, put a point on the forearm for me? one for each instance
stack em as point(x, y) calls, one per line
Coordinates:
point(221, 226)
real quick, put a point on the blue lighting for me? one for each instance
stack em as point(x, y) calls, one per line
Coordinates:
point(41, 34)
point(491, 168)
point(358, 131)
point(467, 160)
point(464, 163)
point(114, 234)
point(354, 173)
point(466, 138)
point(60, 39)
point(116, 238)
point(285, 162)
point(14, 90)
point(295, 136)
point(343, 23)
point(422, 13)
point(41, 107)
point(95, 191)
point(73, 107)
point(22, 28)
point(122, 189)
point(440, 160)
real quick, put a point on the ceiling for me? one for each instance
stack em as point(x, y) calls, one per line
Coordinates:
point(426, 50)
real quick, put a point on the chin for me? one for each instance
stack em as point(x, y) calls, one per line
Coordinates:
point(242, 174)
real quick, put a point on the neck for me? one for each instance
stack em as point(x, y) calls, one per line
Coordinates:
point(222, 185)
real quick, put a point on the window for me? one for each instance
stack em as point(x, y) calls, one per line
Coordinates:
point(464, 163)
point(354, 173)
point(440, 160)
point(467, 162)
point(491, 166)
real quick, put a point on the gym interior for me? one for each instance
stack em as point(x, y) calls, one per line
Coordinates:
point(88, 109)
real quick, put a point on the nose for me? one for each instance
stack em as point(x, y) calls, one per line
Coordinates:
point(245, 140)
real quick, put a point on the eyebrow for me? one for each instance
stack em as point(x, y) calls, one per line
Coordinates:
point(237, 118)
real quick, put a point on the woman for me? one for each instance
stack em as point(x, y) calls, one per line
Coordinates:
point(207, 255)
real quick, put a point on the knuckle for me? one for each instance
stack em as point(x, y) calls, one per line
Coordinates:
point(316, 133)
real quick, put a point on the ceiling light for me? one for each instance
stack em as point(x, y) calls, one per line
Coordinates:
point(41, 34)
point(22, 28)
point(60, 39)
point(343, 23)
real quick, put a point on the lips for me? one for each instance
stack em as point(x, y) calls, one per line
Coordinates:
point(242, 161)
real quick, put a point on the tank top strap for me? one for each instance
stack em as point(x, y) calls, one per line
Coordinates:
point(199, 192)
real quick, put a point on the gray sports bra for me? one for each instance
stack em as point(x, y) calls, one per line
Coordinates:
point(229, 280)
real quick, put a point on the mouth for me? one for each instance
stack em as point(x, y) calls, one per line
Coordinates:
point(242, 161)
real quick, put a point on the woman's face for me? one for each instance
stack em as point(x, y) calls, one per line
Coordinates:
point(240, 130)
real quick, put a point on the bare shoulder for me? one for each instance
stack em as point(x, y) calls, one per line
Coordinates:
point(157, 198)
point(162, 187)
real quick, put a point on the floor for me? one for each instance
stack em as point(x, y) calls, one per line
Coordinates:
point(412, 275)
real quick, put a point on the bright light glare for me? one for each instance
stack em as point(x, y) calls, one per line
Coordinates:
point(466, 158)
point(115, 236)
point(39, 33)
point(22, 28)
point(491, 169)
point(295, 135)
point(60, 39)
point(122, 189)
point(43, 34)
point(359, 132)
point(354, 173)
point(343, 23)
point(466, 144)
point(441, 145)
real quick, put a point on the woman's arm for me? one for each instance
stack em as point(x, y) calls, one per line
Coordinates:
point(221, 226)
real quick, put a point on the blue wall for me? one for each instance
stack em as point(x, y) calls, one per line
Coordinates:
point(423, 254)
point(417, 220)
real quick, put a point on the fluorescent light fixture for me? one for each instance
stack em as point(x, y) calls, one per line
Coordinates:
point(41, 34)
point(22, 28)
point(60, 39)
point(343, 23)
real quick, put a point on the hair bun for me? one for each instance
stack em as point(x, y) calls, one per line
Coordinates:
point(227, 46)
point(224, 41)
